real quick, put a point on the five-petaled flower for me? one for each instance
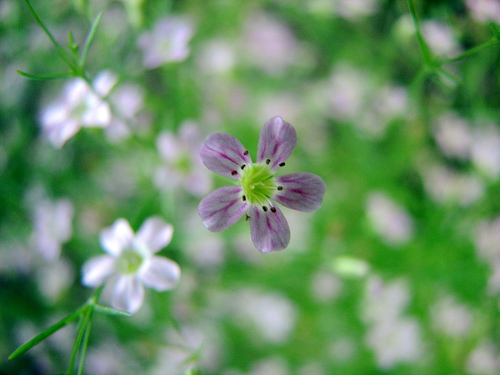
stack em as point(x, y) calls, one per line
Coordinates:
point(258, 189)
point(131, 262)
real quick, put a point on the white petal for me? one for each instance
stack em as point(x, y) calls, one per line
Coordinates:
point(117, 237)
point(128, 294)
point(96, 270)
point(160, 273)
point(154, 234)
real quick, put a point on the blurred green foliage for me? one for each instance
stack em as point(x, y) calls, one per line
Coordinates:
point(410, 220)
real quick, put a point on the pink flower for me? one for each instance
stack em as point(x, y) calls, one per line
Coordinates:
point(258, 189)
point(131, 262)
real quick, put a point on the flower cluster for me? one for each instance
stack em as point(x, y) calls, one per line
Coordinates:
point(258, 190)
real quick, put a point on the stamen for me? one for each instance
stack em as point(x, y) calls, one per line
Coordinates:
point(247, 217)
point(245, 153)
point(268, 161)
point(280, 187)
point(273, 209)
point(282, 164)
point(234, 173)
point(264, 208)
point(244, 198)
point(243, 166)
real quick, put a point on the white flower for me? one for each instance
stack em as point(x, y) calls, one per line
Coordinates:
point(484, 10)
point(52, 223)
point(79, 105)
point(389, 220)
point(132, 263)
point(167, 42)
point(182, 162)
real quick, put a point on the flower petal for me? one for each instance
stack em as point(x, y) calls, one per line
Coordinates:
point(276, 142)
point(160, 273)
point(117, 237)
point(269, 229)
point(97, 269)
point(301, 191)
point(154, 234)
point(224, 154)
point(128, 294)
point(222, 208)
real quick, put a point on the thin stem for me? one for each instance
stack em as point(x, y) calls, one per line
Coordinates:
point(428, 57)
point(59, 49)
point(472, 51)
point(49, 331)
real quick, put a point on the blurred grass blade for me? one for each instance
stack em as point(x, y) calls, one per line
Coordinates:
point(88, 42)
point(54, 76)
point(58, 47)
point(110, 311)
point(43, 335)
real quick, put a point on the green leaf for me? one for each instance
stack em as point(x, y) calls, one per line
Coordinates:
point(110, 311)
point(90, 39)
point(49, 331)
point(53, 76)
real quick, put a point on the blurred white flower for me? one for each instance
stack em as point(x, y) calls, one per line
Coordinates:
point(269, 43)
point(127, 100)
point(395, 341)
point(384, 300)
point(52, 221)
point(440, 38)
point(389, 220)
point(393, 337)
point(54, 278)
point(270, 366)
point(484, 359)
point(187, 346)
point(325, 286)
point(352, 9)
point(271, 315)
point(451, 318)
point(485, 150)
point(347, 91)
point(79, 105)
point(485, 10)
point(216, 57)
point(453, 135)
point(487, 239)
point(182, 162)
point(447, 186)
point(131, 262)
point(167, 42)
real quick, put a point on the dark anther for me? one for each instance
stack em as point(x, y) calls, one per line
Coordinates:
point(233, 173)
point(280, 187)
point(282, 164)
point(247, 217)
point(264, 208)
point(273, 209)
point(243, 166)
point(245, 153)
point(244, 198)
point(268, 161)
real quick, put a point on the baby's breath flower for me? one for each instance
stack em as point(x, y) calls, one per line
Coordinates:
point(258, 189)
point(132, 263)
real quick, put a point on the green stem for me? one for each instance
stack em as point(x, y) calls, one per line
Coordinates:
point(59, 49)
point(49, 331)
point(428, 57)
point(83, 332)
point(472, 51)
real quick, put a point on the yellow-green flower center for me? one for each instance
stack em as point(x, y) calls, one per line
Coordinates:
point(129, 262)
point(258, 184)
